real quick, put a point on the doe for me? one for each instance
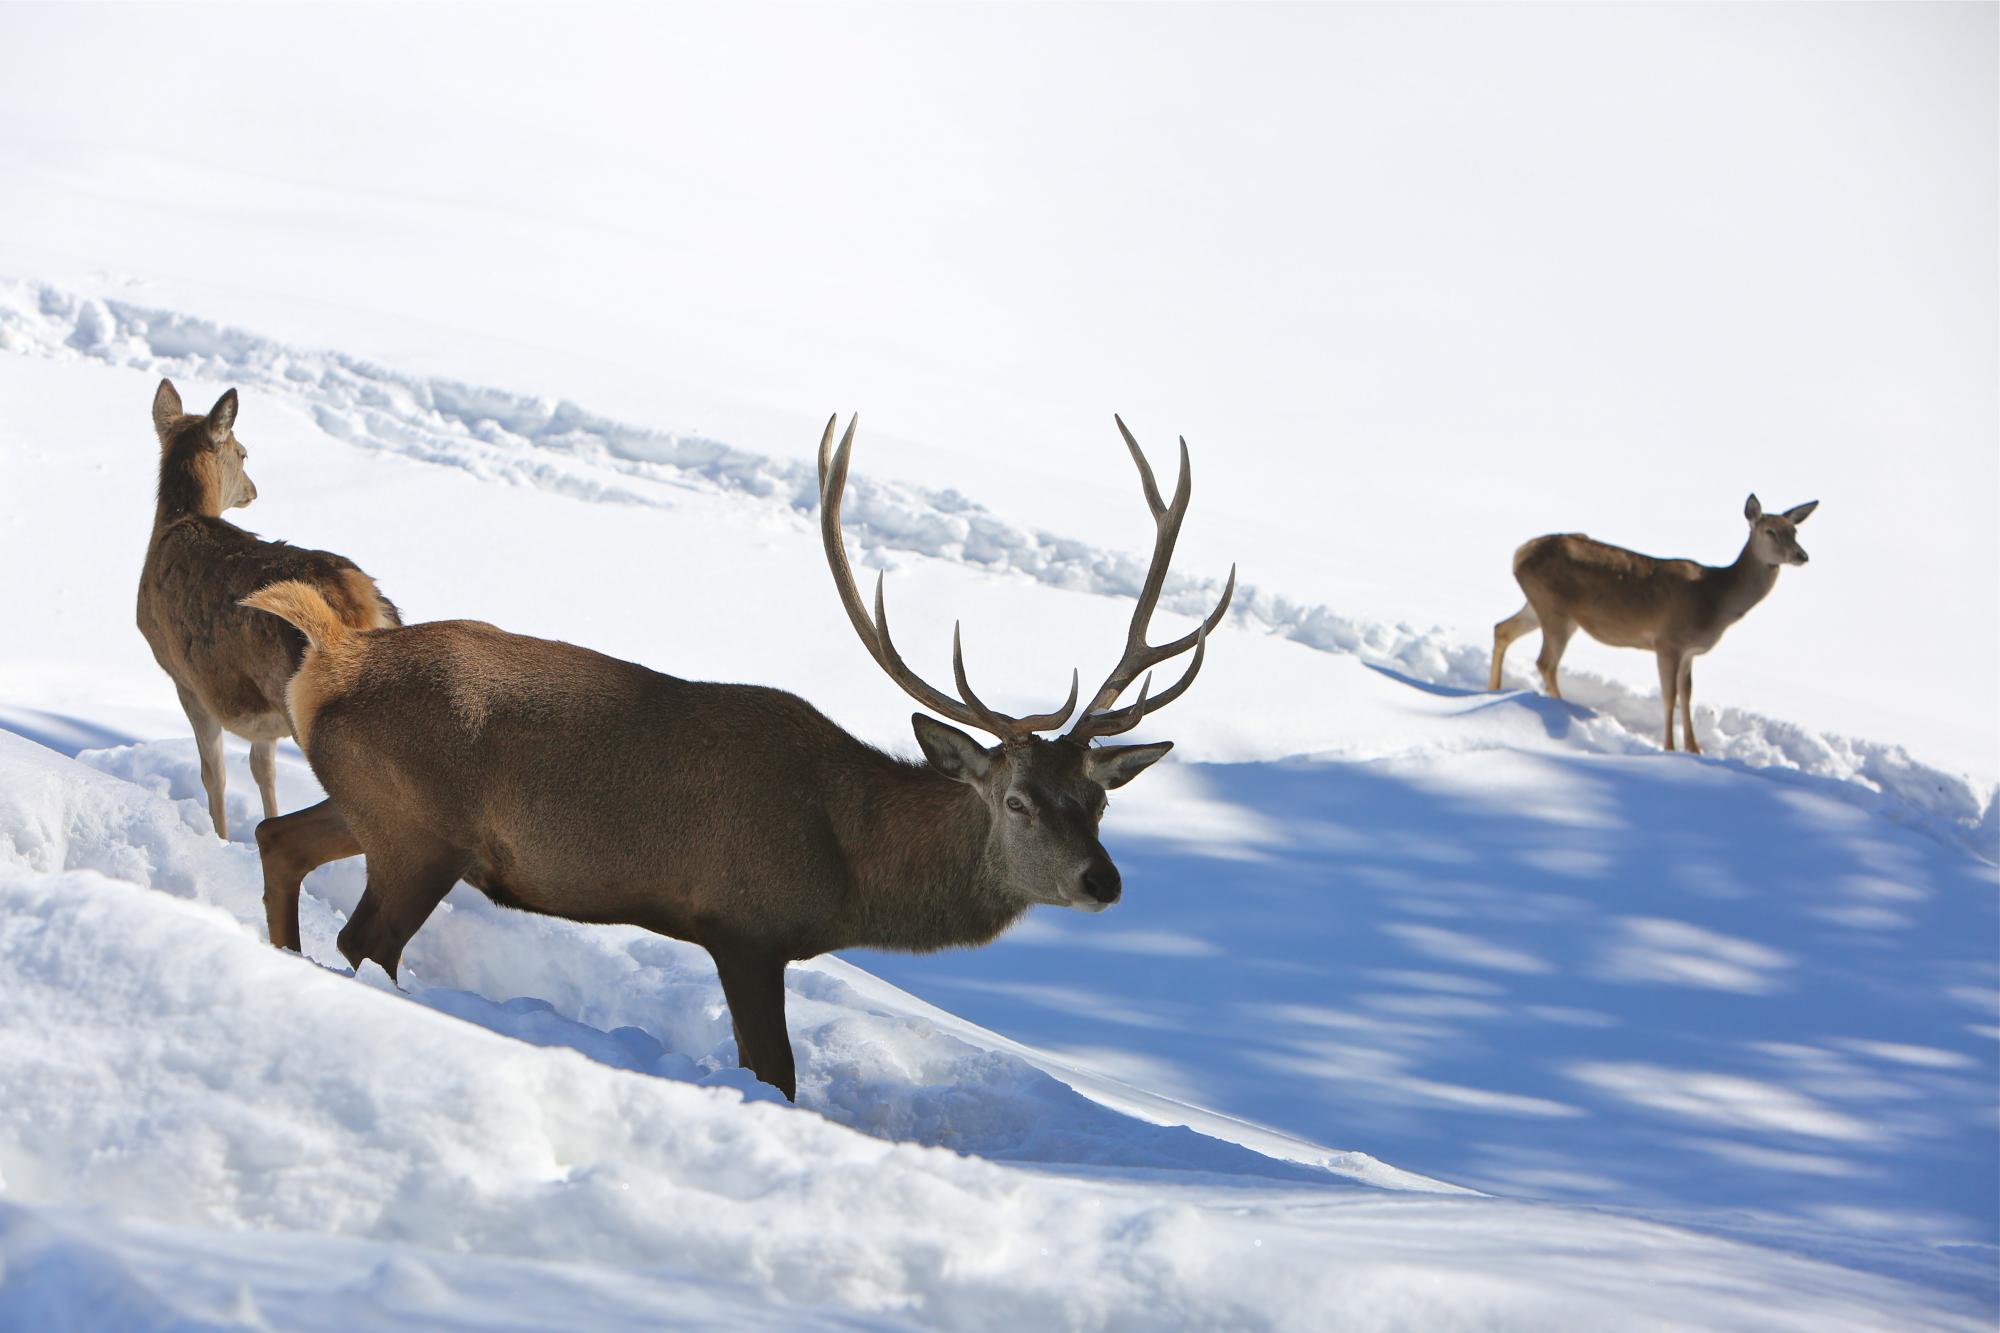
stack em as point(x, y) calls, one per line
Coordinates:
point(1676, 608)
point(230, 666)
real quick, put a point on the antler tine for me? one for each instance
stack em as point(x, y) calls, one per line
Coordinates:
point(917, 688)
point(1128, 717)
point(1050, 721)
point(1019, 725)
point(874, 631)
point(833, 480)
point(1139, 655)
point(1145, 469)
point(993, 721)
point(826, 448)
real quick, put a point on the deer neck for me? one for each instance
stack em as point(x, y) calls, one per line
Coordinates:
point(1743, 585)
point(190, 486)
point(916, 845)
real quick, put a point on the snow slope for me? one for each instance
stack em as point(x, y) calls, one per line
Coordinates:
point(562, 447)
point(1714, 1040)
point(182, 1079)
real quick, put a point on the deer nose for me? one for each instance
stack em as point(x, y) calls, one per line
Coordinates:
point(1102, 883)
point(1803, 557)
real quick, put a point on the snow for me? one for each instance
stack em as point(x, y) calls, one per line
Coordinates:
point(1424, 1008)
point(565, 449)
point(1667, 1018)
point(190, 1083)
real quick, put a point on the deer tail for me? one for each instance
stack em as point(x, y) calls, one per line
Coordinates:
point(305, 608)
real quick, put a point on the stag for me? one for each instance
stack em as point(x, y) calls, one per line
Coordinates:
point(1677, 609)
point(738, 817)
point(230, 666)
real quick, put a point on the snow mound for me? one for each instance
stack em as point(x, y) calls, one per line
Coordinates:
point(287, 1125)
point(557, 445)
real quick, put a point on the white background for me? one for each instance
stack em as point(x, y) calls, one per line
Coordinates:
point(1417, 283)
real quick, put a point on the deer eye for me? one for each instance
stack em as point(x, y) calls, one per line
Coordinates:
point(1017, 805)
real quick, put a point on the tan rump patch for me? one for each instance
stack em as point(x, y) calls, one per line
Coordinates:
point(364, 609)
point(321, 676)
point(330, 664)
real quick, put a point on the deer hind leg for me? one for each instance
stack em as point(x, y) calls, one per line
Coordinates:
point(1504, 634)
point(292, 847)
point(1686, 692)
point(405, 885)
point(208, 744)
point(1670, 660)
point(264, 768)
point(753, 982)
point(1555, 639)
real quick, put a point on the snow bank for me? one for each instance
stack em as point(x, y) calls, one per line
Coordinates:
point(163, 1065)
point(559, 446)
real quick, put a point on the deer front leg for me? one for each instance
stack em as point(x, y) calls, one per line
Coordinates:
point(1687, 705)
point(753, 983)
point(405, 885)
point(1670, 675)
point(292, 847)
point(208, 744)
point(264, 768)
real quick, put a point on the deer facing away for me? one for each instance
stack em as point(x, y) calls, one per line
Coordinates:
point(558, 780)
point(1677, 608)
point(230, 665)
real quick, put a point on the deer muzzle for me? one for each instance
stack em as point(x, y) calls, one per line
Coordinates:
point(1101, 885)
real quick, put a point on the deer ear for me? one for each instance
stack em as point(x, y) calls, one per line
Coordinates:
point(222, 417)
point(1751, 509)
point(951, 751)
point(1113, 766)
point(1800, 513)
point(166, 407)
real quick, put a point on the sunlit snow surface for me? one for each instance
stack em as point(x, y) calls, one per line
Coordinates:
point(1423, 1007)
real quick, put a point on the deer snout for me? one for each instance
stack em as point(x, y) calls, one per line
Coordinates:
point(1101, 886)
point(1799, 552)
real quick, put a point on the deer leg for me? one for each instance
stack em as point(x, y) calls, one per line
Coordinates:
point(208, 744)
point(1687, 705)
point(292, 847)
point(1670, 676)
point(264, 768)
point(753, 983)
point(1504, 634)
point(405, 885)
point(1555, 638)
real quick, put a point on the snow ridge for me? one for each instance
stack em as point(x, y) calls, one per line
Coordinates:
point(558, 445)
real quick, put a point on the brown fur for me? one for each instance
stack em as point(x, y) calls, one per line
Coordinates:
point(230, 665)
point(558, 780)
point(1675, 609)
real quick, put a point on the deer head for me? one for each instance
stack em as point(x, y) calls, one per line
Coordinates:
point(1044, 798)
point(211, 450)
point(1774, 538)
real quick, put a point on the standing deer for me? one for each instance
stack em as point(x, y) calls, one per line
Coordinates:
point(1677, 608)
point(738, 817)
point(229, 665)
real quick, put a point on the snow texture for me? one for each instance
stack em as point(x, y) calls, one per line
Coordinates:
point(1481, 1013)
point(562, 447)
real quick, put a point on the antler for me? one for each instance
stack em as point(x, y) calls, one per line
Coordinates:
point(1139, 655)
point(874, 632)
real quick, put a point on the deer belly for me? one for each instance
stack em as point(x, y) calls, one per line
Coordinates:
point(589, 894)
point(1617, 633)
